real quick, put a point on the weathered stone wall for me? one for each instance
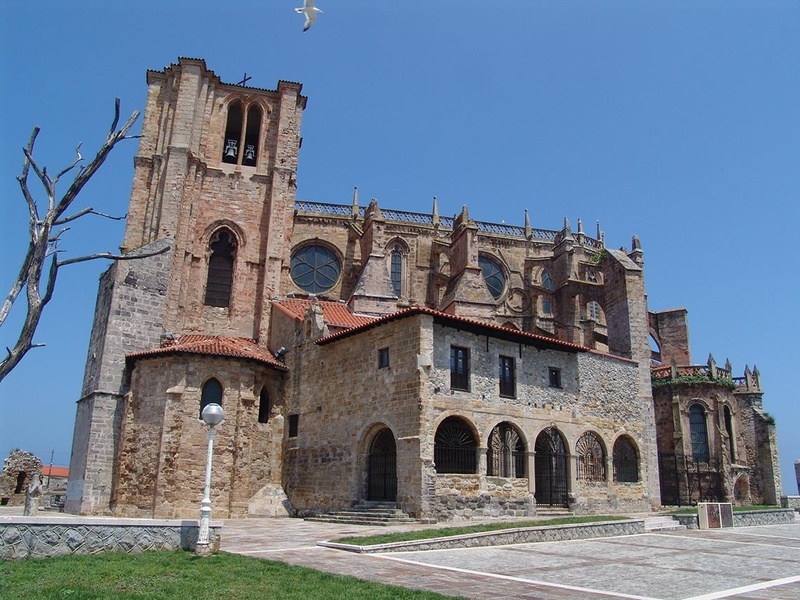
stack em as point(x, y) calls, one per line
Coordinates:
point(22, 537)
point(162, 456)
point(671, 330)
point(20, 469)
point(465, 497)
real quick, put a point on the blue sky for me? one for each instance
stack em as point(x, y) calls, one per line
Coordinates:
point(677, 121)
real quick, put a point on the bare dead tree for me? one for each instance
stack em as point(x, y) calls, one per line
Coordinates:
point(45, 236)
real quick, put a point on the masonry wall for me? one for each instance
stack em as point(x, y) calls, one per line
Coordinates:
point(162, 457)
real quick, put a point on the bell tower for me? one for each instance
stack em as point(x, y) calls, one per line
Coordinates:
point(214, 187)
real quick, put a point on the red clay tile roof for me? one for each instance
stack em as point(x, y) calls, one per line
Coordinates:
point(55, 471)
point(336, 314)
point(465, 324)
point(213, 345)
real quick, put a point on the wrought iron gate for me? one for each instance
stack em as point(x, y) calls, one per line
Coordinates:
point(550, 462)
point(668, 478)
point(382, 468)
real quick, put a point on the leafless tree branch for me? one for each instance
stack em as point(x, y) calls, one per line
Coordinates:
point(87, 211)
point(32, 276)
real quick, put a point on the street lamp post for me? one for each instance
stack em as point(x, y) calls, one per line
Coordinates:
point(212, 416)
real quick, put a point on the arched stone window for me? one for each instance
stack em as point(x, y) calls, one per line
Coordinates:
point(547, 282)
point(251, 136)
point(220, 268)
point(729, 430)
point(233, 133)
point(211, 394)
point(591, 457)
point(626, 460)
point(455, 447)
point(506, 454)
point(263, 406)
point(397, 270)
point(699, 433)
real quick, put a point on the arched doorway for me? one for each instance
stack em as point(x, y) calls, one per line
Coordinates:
point(382, 467)
point(550, 462)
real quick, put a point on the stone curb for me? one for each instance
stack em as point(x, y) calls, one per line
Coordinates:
point(745, 518)
point(520, 535)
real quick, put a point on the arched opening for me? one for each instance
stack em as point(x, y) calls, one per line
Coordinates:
point(591, 458)
point(233, 133)
point(397, 270)
point(550, 462)
point(211, 394)
point(506, 453)
point(729, 430)
point(626, 460)
point(455, 447)
point(220, 269)
point(263, 406)
point(699, 433)
point(382, 467)
point(251, 136)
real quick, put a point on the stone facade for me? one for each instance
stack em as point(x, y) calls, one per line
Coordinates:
point(20, 469)
point(329, 333)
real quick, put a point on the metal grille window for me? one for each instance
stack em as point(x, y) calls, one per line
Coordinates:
point(506, 453)
point(699, 433)
point(220, 269)
point(626, 460)
point(210, 394)
point(459, 368)
point(591, 458)
point(397, 271)
point(507, 377)
point(455, 447)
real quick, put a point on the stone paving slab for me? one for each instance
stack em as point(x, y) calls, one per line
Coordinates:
point(754, 563)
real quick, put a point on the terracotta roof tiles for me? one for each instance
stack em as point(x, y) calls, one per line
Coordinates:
point(213, 345)
point(336, 314)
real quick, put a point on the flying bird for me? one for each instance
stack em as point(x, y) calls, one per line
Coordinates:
point(310, 11)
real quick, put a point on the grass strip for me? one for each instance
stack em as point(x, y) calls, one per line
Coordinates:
point(180, 574)
point(426, 534)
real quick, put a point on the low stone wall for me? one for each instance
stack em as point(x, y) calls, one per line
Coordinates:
point(792, 502)
point(42, 537)
point(522, 535)
point(746, 518)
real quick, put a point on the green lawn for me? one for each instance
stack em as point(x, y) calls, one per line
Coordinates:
point(425, 534)
point(181, 575)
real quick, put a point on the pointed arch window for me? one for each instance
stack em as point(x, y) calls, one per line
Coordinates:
point(220, 269)
point(211, 394)
point(699, 433)
point(233, 133)
point(397, 270)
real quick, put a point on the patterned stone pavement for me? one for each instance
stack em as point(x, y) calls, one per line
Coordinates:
point(751, 562)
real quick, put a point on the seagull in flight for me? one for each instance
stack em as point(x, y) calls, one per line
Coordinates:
point(310, 11)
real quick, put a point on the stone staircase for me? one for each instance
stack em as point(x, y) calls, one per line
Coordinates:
point(665, 523)
point(552, 512)
point(366, 513)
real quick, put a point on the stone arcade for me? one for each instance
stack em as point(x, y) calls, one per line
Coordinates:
point(458, 368)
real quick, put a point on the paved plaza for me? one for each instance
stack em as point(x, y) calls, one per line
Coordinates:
point(748, 562)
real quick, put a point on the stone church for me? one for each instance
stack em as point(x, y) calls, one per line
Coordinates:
point(454, 367)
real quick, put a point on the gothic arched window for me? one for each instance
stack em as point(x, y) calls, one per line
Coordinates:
point(455, 447)
point(220, 269)
point(397, 270)
point(211, 394)
point(547, 281)
point(699, 433)
point(626, 460)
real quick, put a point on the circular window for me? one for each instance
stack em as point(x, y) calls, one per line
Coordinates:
point(493, 276)
point(315, 269)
